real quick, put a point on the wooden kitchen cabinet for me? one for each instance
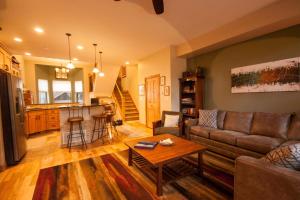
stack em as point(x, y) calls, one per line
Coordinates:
point(42, 120)
point(53, 122)
point(9, 63)
point(36, 121)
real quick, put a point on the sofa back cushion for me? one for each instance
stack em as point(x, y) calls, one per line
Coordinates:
point(294, 129)
point(221, 119)
point(238, 121)
point(270, 124)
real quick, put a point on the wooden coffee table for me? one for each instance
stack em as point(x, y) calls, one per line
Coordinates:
point(157, 162)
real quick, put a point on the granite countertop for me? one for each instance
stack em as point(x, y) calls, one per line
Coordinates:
point(35, 107)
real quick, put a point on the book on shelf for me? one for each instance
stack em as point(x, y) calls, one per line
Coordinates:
point(145, 145)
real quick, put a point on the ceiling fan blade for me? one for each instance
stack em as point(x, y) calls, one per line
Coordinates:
point(158, 6)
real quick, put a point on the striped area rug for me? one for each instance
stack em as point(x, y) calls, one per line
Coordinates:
point(109, 177)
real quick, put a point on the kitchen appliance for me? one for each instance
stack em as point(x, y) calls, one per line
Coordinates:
point(13, 117)
point(94, 101)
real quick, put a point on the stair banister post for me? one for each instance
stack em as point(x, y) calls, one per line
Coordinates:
point(123, 107)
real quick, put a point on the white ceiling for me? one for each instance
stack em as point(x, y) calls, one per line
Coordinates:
point(125, 30)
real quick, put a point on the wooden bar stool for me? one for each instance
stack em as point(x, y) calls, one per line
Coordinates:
point(76, 117)
point(110, 112)
point(99, 126)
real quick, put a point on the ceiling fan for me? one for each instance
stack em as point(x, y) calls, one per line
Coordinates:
point(158, 6)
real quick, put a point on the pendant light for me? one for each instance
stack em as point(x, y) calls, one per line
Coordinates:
point(95, 69)
point(101, 74)
point(70, 65)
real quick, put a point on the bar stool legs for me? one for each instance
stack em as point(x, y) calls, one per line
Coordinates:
point(71, 134)
point(99, 127)
point(111, 124)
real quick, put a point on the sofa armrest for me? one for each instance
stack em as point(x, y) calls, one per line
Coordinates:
point(188, 124)
point(256, 179)
point(155, 125)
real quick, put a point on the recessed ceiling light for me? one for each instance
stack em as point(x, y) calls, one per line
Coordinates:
point(75, 59)
point(17, 39)
point(127, 63)
point(79, 47)
point(39, 30)
point(27, 54)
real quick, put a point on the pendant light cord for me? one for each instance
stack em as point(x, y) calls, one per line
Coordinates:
point(95, 47)
point(100, 52)
point(69, 34)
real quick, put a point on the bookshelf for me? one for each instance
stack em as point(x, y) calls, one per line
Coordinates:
point(191, 94)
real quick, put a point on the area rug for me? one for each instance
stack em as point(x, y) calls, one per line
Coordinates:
point(109, 177)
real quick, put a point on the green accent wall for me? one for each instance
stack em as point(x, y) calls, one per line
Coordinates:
point(217, 64)
point(47, 72)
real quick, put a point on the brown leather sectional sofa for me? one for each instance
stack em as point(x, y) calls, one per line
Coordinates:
point(251, 136)
point(246, 133)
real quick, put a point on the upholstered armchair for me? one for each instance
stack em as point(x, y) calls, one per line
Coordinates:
point(159, 128)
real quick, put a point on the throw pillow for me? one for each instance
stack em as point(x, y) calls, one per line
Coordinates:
point(171, 120)
point(208, 118)
point(286, 156)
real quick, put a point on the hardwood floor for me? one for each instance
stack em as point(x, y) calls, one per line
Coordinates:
point(18, 182)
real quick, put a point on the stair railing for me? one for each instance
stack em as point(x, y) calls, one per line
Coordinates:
point(119, 95)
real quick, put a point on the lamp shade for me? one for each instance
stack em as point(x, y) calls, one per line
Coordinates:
point(70, 65)
point(95, 70)
point(101, 74)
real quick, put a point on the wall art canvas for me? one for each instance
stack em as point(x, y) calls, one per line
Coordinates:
point(282, 75)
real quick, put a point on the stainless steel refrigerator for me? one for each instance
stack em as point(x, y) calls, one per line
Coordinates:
point(13, 117)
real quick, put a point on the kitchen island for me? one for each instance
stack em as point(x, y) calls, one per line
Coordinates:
point(49, 117)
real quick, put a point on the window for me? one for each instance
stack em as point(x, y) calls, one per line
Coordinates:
point(78, 92)
point(62, 92)
point(43, 91)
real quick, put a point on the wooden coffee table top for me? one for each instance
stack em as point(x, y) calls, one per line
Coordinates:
point(163, 154)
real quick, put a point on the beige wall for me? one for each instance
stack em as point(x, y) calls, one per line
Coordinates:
point(275, 16)
point(165, 63)
point(104, 85)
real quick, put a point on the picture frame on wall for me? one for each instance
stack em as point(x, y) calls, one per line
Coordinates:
point(142, 90)
point(163, 80)
point(167, 90)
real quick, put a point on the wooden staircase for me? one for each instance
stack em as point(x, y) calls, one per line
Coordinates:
point(127, 107)
point(131, 112)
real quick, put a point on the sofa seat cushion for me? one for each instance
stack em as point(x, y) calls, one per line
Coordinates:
point(238, 121)
point(270, 124)
point(170, 130)
point(258, 143)
point(228, 137)
point(201, 131)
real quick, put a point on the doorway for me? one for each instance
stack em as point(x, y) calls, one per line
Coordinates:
point(152, 88)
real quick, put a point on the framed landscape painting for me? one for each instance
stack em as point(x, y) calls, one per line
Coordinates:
point(281, 75)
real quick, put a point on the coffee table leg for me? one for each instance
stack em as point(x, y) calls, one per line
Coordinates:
point(130, 157)
point(200, 163)
point(159, 181)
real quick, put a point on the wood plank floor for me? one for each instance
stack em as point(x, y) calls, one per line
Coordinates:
point(18, 182)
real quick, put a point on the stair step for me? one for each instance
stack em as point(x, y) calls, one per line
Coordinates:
point(131, 113)
point(129, 105)
point(131, 110)
point(131, 118)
